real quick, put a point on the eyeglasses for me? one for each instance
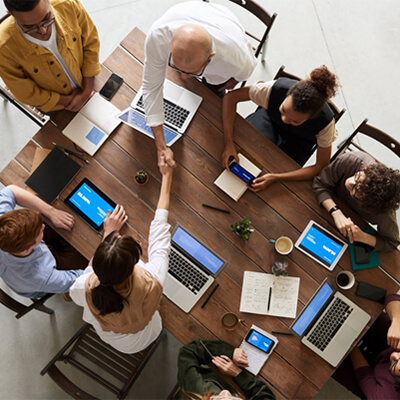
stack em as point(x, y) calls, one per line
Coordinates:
point(357, 184)
point(392, 370)
point(44, 24)
point(219, 396)
point(170, 64)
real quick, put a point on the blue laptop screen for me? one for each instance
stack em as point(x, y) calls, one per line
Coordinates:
point(312, 309)
point(197, 251)
point(321, 245)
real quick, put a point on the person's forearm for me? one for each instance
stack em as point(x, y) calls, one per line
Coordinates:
point(87, 85)
point(393, 310)
point(158, 132)
point(228, 118)
point(164, 199)
point(357, 359)
point(301, 174)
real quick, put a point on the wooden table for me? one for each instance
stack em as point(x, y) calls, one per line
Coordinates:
point(293, 371)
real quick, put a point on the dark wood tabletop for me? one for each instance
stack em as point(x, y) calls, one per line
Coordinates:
point(293, 371)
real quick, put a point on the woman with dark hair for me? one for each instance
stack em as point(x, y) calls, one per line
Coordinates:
point(294, 115)
point(120, 298)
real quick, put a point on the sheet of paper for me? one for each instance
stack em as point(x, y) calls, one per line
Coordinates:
point(255, 292)
point(256, 357)
point(285, 293)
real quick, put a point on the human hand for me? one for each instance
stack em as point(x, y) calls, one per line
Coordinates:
point(393, 336)
point(168, 157)
point(115, 220)
point(61, 219)
point(262, 182)
point(345, 225)
point(228, 85)
point(226, 365)
point(78, 101)
point(228, 153)
point(165, 169)
point(240, 358)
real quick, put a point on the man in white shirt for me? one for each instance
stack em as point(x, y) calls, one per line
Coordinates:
point(199, 40)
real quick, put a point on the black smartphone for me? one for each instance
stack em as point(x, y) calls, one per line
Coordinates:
point(260, 341)
point(239, 171)
point(111, 86)
point(371, 292)
point(361, 252)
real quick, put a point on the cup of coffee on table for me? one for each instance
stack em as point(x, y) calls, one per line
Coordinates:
point(345, 280)
point(229, 320)
point(283, 245)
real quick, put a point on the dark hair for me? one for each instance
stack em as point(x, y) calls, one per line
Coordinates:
point(379, 192)
point(20, 5)
point(113, 263)
point(309, 95)
point(19, 230)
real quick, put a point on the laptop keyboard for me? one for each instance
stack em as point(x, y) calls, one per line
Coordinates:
point(331, 322)
point(186, 273)
point(175, 115)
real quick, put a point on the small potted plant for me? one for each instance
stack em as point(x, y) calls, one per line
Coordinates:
point(280, 268)
point(141, 177)
point(243, 228)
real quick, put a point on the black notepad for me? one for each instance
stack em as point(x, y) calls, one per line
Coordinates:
point(53, 175)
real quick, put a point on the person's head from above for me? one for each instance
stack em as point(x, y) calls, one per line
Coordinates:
point(21, 231)
point(34, 17)
point(223, 395)
point(191, 51)
point(306, 98)
point(113, 263)
point(376, 187)
point(394, 369)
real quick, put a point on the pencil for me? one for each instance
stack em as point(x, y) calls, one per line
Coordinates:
point(216, 208)
point(209, 296)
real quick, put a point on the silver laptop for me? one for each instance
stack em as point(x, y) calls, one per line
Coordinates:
point(180, 106)
point(192, 269)
point(330, 323)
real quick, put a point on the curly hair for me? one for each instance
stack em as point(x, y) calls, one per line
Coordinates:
point(379, 192)
point(309, 95)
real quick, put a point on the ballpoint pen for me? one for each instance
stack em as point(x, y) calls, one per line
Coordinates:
point(71, 152)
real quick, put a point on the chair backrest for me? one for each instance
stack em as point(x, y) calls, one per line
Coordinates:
point(100, 361)
point(337, 114)
point(372, 132)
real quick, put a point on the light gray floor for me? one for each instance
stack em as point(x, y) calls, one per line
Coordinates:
point(357, 39)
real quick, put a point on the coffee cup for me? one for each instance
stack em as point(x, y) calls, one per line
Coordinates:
point(283, 245)
point(345, 280)
point(229, 320)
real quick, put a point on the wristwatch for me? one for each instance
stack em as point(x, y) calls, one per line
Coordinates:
point(333, 209)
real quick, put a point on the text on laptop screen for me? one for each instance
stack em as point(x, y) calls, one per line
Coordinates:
point(197, 251)
point(321, 245)
point(312, 309)
point(91, 204)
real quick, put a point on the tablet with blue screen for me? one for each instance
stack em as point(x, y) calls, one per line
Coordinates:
point(90, 203)
point(321, 245)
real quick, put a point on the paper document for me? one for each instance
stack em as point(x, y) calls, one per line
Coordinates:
point(232, 185)
point(91, 127)
point(256, 357)
point(268, 294)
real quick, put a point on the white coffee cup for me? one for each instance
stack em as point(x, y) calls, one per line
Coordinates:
point(283, 245)
point(345, 280)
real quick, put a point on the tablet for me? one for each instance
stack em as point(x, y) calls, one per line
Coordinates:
point(90, 203)
point(321, 245)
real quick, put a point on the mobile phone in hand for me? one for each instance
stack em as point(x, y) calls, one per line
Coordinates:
point(239, 171)
point(260, 341)
point(111, 86)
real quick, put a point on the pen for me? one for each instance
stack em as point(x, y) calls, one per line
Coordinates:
point(70, 151)
point(208, 351)
point(216, 208)
point(269, 298)
point(282, 333)
point(53, 123)
point(209, 296)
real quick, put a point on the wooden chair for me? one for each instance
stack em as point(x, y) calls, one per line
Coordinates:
point(283, 74)
point(99, 361)
point(22, 309)
point(364, 129)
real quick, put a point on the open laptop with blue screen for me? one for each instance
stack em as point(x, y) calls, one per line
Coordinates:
point(330, 323)
point(180, 106)
point(192, 269)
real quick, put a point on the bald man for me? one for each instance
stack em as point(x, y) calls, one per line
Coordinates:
point(199, 40)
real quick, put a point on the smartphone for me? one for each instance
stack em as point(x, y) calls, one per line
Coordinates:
point(371, 292)
point(260, 341)
point(111, 86)
point(241, 172)
point(361, 252)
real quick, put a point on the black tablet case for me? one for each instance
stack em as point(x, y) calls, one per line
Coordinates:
point(54, 173)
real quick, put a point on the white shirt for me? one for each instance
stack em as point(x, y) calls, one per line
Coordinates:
point(234, 56)
point(159, 247)
point(51, 45)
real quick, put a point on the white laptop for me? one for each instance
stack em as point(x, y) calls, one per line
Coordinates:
point(192, 269)
point(330, 323)
point(180, 106)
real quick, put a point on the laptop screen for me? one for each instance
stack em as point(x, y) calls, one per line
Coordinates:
point(197, 251)
point(312, 309)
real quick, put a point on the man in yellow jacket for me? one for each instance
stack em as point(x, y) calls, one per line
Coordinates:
point(49, 53)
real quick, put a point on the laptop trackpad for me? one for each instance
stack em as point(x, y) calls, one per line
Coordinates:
point(346, 336)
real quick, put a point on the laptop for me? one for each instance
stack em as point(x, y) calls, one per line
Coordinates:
point(192, 269)
point(330, 323)
point(180, 106)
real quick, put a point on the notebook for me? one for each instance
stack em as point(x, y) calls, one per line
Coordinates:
point(180, 106)
point(51, 176)
point(329, 324)
point(192, 269)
